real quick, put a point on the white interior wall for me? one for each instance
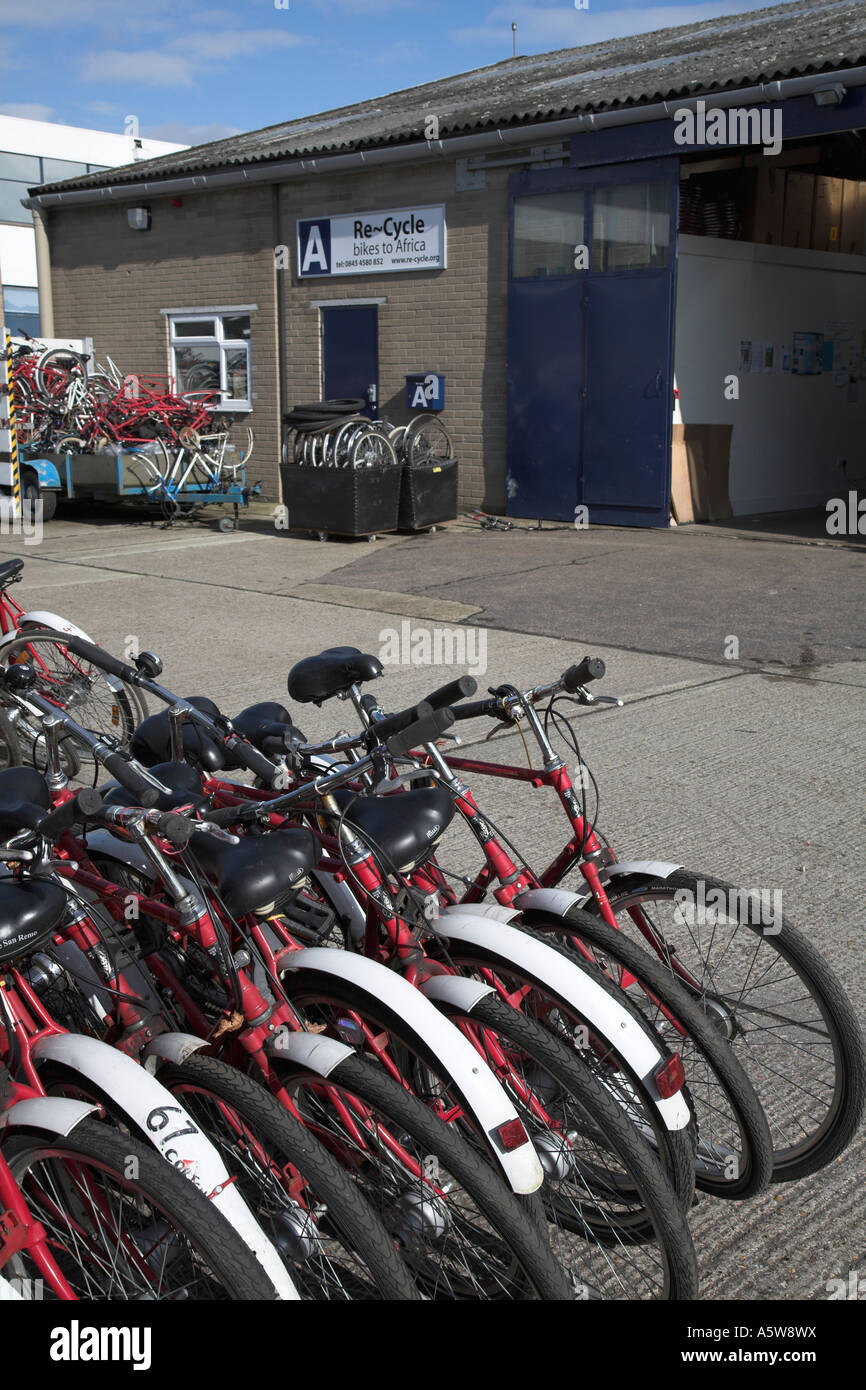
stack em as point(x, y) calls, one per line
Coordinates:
point(789, 432)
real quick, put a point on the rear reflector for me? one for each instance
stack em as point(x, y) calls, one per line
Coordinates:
point(509, 1136)
point(670, 1076)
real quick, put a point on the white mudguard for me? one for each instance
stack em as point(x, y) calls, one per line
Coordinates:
point(39, 617)
point(456, 1057)
point(311, 1050)
point(53, 1114)
point(171, 1047)
point(578, 991)
point(624, 868)
point(8, 1292)
point(154, 1112)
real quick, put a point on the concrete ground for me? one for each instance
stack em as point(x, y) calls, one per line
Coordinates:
point(743, 761)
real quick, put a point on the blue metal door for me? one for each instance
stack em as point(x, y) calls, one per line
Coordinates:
point(590, 342)
point(350, 354)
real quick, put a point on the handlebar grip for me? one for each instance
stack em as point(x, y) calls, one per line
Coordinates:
point(592, 668)
point(104, 660)
point(424, 730)
point(176, 829)
point(394, 723)
point(83, 806)
point(475, 709)
point(250, 758)
point(452, 692)
point(369, 702)
point(128, 777)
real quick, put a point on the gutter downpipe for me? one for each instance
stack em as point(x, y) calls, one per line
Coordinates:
point(458, 145)
point(43, 273)
point(280, 273)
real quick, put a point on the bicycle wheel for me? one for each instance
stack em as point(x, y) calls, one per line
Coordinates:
point(675, 1149)
point(426, 438)
point(599, 1172)
point(116, 1236)
point(370, 448)
point(734, 1155)
point(100, 703)
point(769, 992)
point(332, 1243)
point(460, 1230)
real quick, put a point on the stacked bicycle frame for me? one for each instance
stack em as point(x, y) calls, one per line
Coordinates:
point(522, 1084)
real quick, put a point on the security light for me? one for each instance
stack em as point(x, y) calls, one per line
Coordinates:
point(138, 219)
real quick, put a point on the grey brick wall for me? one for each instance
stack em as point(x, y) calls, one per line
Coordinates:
point(218, 248)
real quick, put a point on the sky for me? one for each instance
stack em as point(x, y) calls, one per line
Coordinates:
point(191, 72)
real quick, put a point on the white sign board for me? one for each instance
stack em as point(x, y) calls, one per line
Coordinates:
point(371, 243)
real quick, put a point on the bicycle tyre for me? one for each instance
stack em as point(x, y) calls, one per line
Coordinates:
point(113, 711)
point(228, 1263)
point(643, 1174)
point(350, 1221)
point(829, 1136)
point(525, 1244)
point(753, 1150)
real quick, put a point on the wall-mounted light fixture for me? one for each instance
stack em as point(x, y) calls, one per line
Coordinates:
point(138, 219)
point(833, 95)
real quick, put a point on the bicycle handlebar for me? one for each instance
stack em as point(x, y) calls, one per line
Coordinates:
point(97, 656)
point(452, 692)
point(426, 729)
point(130, 778)
point(591, 668)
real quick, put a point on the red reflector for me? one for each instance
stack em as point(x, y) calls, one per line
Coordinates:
point(509, 1136)
point(670, 1076)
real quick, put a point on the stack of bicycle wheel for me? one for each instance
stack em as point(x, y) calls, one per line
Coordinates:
point(339, 471)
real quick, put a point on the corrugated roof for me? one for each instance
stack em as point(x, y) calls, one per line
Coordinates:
point(730, 52)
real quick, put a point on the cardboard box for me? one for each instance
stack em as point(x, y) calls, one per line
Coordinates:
point(765, 218)
point(797, 223)
point(827, 213)
point(852, 238)
point(700, 459)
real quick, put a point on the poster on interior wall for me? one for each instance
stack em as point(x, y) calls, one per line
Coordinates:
point(757, 358)
point(785, 354)
point(769, 357)
point(372, 243)
point(808, 355)
point(746, 355)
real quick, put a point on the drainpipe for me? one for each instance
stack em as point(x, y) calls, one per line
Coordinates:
point(282, 380)
point(43, 273)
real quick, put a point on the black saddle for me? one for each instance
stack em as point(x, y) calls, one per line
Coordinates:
point(251, 876)
point(30, 911)
point(151, 742)
point(406, 826)
point(8, 571)
point(264, 721)
point(317, 678)
point(24, 799)
point(184, 781)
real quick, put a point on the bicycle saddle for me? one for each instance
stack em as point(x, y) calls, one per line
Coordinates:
point(317, 678)
point(8, 571)
point(184, 780)
point(251, 876)
point(30, 912)
point(406, 826)
point(264, 721)
point(151, 742)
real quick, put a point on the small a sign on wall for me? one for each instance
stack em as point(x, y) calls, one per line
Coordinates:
point(425, 391)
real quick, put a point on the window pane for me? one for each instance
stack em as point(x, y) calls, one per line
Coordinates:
point(197, 368)
point(20, 166)
point(236, 326)
point(20, 299)
point(10, 202)
point(631, 226)
point(23, 323)
point(547, 228)
point(55, 169)
point(237, 375)
point(193, 328)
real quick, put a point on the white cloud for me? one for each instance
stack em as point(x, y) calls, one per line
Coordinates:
point(149, 66)
point(222, 46)
point(547, 27)
point(27, 110)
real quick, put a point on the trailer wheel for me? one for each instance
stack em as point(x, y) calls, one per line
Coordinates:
point(32, 493)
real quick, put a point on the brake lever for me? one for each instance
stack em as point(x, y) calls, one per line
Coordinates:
point(205, 828)
point(608, 700)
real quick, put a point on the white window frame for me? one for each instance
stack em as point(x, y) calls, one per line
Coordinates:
point(224, 345)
